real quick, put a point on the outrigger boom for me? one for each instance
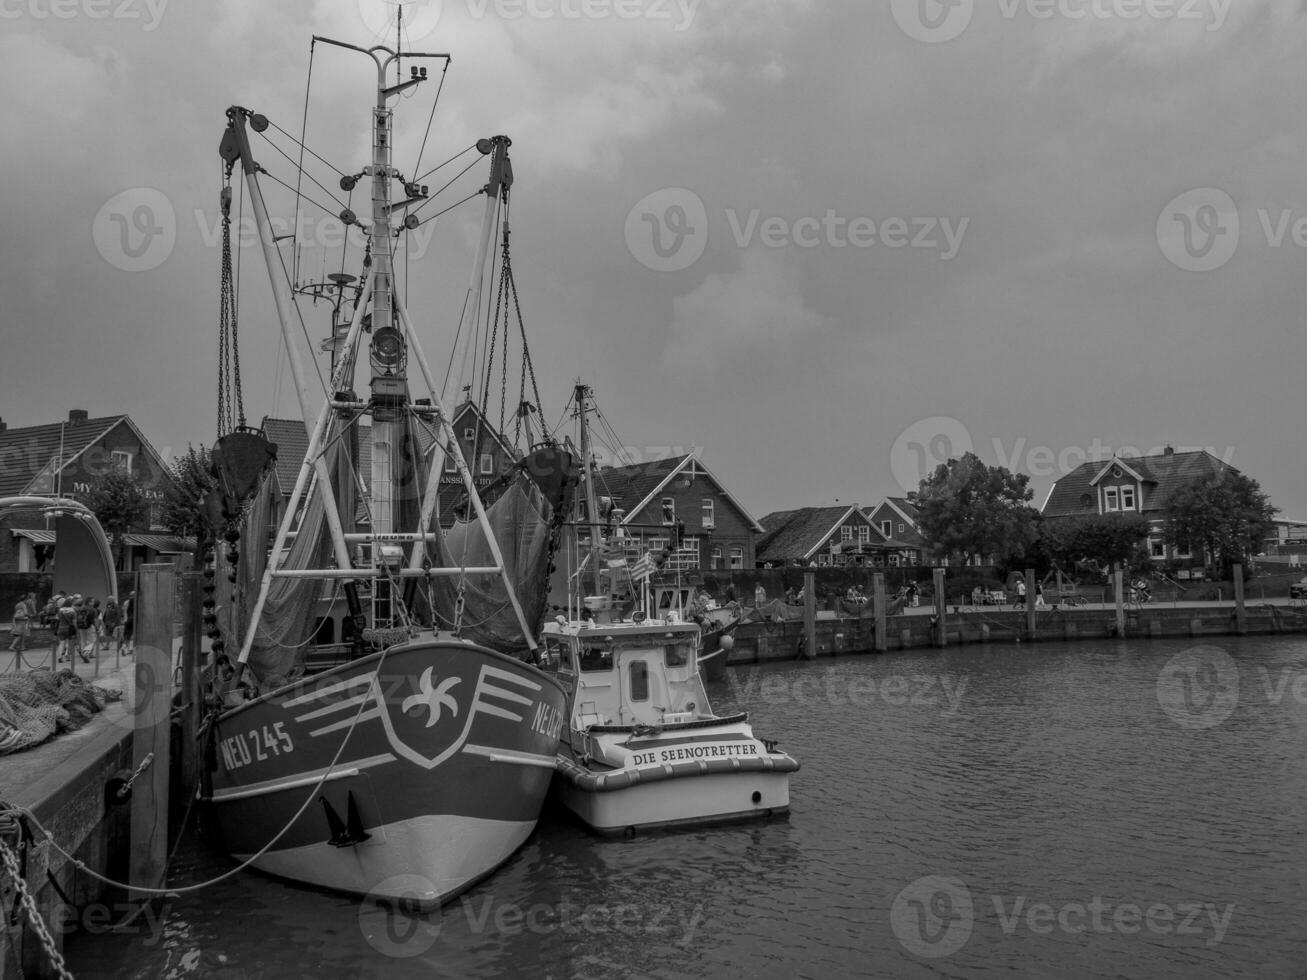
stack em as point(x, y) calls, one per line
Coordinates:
point(378, 292)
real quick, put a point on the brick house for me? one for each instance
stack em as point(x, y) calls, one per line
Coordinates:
point(1135, 485)
point(835, 536)
point(68, 459)
point(896, 519)
point(648, 500)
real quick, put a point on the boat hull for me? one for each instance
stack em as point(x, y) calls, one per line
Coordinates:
point(693, 791)
point(405, 776)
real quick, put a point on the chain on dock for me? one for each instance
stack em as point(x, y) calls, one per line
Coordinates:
point(28, 904)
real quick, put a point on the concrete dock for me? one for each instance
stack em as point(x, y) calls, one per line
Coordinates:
point(62, 781)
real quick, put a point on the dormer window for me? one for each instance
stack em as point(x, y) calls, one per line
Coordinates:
point(1128, 498)
point(1111, 499)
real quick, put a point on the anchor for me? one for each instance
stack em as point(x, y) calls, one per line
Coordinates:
point(345, 833)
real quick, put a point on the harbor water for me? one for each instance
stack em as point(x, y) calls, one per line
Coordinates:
point(1094, 809)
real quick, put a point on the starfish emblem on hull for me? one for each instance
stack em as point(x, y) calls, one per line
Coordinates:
point(432, 698)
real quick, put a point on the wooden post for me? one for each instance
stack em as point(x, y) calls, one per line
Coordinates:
point(940, 606)
point(809, 615)
point(149, 828)
point(1118, 592)
point(1240, 613)
point(1030, 603)
point(881, 643)
point(190, 694)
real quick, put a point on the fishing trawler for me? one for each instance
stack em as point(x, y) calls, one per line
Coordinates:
point(643, 748)
point(419, 763)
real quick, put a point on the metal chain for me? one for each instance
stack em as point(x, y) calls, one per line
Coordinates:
point(33, 913)
point(226, 315)
point(127, 786)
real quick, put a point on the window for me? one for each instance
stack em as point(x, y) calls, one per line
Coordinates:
point(1111, 499)
point(121, 460)
point(669, 510)
point(1087, 500)
point(894, 560)
point(1127, 498)
point(469, 434)
point(715, 557)
point(487, 464)
point(1156, 548)
point(846, 533)
point(450, 465)
point(595, 658)
point(864, 534)
point(1182, 549)
point(886, 528)
point(676, 655)
point(689, 552)
point(901, 527)
point(709, 521)
point(639, 680)
point(656, 544)
point(737, 557)
point(914, 558)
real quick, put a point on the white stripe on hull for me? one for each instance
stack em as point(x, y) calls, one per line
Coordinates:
point(692, 799)
point(449, 852)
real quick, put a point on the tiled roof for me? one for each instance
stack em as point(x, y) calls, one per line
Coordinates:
point(628, 485)
point(905, 505)
point(26, 452)
point(793, 533)
point(1162, 473)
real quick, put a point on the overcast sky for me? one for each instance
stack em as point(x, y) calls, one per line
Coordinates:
point(827, 243)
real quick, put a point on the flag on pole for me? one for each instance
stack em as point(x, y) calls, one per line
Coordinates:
point(643, 568)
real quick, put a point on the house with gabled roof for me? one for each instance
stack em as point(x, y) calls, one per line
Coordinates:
point(648, 501)
point(896, 519)
point(1140, 485)
point(823, 536)
point(67, 459)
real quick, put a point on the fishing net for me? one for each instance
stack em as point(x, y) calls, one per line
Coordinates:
point(36, 705)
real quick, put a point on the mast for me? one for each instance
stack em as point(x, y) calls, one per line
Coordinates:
point(591, 503)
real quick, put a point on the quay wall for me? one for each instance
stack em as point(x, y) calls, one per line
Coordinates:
point(63, 783)
point(762, 642)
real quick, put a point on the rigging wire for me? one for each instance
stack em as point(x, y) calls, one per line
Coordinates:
point(301, 174)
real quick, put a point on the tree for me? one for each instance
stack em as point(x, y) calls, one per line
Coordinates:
point(183, 513)
point(968, 509)
point(1102, 540)
point(119, 504)
point(1226, 515)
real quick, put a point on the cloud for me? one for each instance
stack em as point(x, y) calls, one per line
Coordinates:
point(760, 307)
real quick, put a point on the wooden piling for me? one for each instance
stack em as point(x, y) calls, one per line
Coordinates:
point(809, 615)
point(1030, 604)
point(189, 762)
point(881, 642)
point(940, 607)
point(1119, 594)
point(1240, 612)
point(149, 794)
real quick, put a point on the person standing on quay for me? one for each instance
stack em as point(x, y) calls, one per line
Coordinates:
point(24, 613)
point(113, 624)
point(65, 630)
point(129, 622)
point(85, 622)
point(1021, 590)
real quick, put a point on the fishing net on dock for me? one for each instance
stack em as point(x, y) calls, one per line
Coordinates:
point(36, 705)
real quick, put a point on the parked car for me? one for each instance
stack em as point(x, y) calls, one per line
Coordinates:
point(1298, 590)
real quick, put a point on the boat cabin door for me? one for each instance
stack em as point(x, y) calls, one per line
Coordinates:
point(644, 694)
